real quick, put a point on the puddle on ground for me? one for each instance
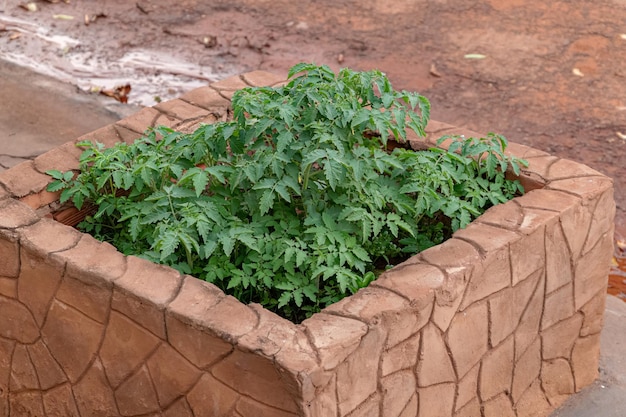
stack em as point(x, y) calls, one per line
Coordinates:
point(153, 75)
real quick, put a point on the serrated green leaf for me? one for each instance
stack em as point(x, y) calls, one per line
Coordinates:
point(281, 189)
point(179, 192)
point(300, 68)
point(248, 240)
point(155, 216)
point(314, 156)
point(200, 181)
point(167, 244)
point(56, 174)
point(267, 183)
point(289, 252)
point(235, 281)
point(134, 228)
point(333, 171)
point(361, 253)
point(78, 199)
point(297, 297)
point(228, 243)
point(284, 299)
point(311, 292)
point(267, 201)
point(55, 186)
point(208, 249)
point(301, 257)
point(68, 176)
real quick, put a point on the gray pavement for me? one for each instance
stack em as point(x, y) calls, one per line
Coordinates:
point(607, 396)
point(38, 114)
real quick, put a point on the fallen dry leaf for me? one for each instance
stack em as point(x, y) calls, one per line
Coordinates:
point(209, 41)
point(90, 18)
point(120, 93)
point(621, 135)
point(144, 8)
point(31, 7)
point(433, 71)
point(14, 36)
point(577, 72)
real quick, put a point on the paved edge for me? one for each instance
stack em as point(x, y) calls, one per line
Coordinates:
point(606, 397)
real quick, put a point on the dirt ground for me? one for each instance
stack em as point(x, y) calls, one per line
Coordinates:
point(547, 74)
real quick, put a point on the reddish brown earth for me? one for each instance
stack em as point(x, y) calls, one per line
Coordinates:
point(552, 74)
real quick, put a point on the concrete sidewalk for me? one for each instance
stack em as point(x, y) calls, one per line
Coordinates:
point(38, 114)
point(607, 396)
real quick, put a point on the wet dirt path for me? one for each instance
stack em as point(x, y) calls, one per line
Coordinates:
point(546, 74)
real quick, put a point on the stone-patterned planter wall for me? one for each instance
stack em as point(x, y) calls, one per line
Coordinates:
point(504, 318)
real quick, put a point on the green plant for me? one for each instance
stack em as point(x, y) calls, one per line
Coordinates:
point(296, 202)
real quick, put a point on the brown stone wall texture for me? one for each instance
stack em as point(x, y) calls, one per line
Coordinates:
point(501, 320)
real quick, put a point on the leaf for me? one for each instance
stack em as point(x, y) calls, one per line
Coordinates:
point(301, 257)
point(235, 281)
point(267, 183)
point(208, 249)
point(300, 68)
point(155, 216)
point(218, 172)
point(297, 297)
point(311, 292)
point(284, 299)
point(55, 186)
point(362, 116)
point(228, 243)
point(66, 195)
point(281, 189)
point(314, 156)
point(267, 201)
point(248, 240)
point(134, 228)
point(56, 174)
point(128, 180)
point(167, 244)
point(333, 172)
point(78, 198)
point(289, 252)
point(179, 192)
point(361, 253)
point(200, 181)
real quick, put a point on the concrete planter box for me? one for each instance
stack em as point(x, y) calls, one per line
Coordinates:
point(505, 317)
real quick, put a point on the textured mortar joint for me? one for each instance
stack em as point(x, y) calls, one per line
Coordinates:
point(509, 310)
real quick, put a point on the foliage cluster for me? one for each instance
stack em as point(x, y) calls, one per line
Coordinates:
point(296, 202)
